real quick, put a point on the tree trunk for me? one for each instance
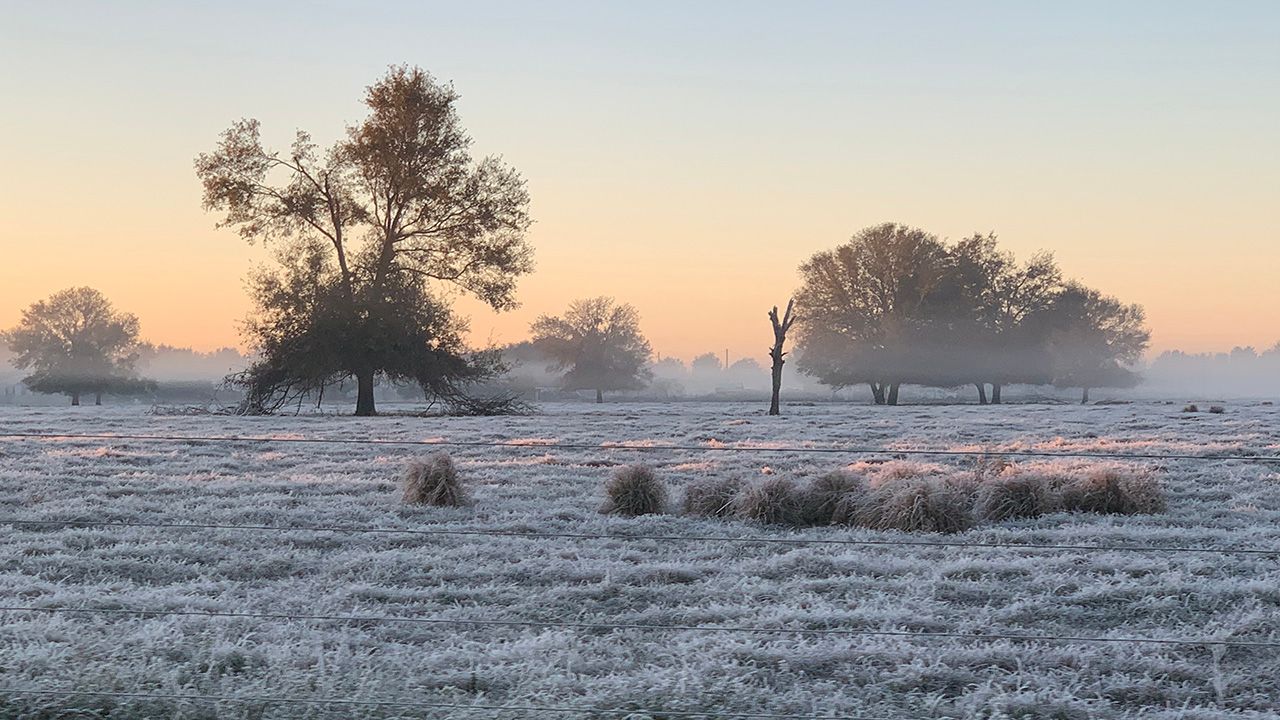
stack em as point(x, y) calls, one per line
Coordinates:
point(982, 393)
point(995, 393)
point(75, 398)
point(777, 353)
point(893, 394)
point(777, 388)
point(877, 392)
point(97, 398)
point(1084, 397)
point(364, 394)
point(599, 395)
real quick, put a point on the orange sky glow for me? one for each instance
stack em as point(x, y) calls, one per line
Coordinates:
point(690, 181)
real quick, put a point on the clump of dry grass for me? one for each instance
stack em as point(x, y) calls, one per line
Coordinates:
point(1113, 491)
point(1012, 495)
point(634, 490)
point(852, 509)
point(895, 470)
point(776, 500)
point(433, 480)
point(712, 497)
point(920, 504)
point(831, 498)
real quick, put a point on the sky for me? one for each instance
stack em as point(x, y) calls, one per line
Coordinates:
point(684, 157)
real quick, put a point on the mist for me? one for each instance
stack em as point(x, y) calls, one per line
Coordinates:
point(1242, 373)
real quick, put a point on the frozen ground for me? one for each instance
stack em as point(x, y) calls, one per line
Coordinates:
point(706, 583)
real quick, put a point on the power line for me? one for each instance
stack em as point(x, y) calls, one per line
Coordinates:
point(535, 535)
point(847, 632)
point(281, 700)
point(643, 448)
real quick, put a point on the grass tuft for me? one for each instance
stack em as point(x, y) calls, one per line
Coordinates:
point(433, 480)
point(921, 504)
point(712, 497)
point(1014, 495)
point(832, 497)
point(634, 490)
point(776, 500)
point(1113, 491)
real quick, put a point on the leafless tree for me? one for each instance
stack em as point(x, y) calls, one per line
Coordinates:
point(776, 353)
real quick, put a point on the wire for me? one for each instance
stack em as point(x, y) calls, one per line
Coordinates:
point(642, 626)
point(643, 448)
point(537, 535)
point(277, 700)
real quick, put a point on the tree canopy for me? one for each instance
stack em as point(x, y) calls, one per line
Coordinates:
point(597, 344)
point(895, 305)
point(369, 234)
point(74, 343)
point(1092, 338)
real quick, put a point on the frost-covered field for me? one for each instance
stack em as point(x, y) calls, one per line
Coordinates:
point(619, 581)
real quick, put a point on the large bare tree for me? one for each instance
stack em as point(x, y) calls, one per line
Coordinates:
point(371, 229)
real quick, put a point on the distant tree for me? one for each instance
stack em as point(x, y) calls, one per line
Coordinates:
point(670, 368)
point(746, 366)
point(367, 233)
point(598, 345)
point(781, 326)
point(707, 364)
point(1002, 343)
point(1243, 372)
point(1094, 338)
point(869, 310)
point(668, 377)
point(168, 363)
point(74, 343)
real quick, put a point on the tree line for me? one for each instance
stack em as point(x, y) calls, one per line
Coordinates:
point(372, 233)
point(895, 305)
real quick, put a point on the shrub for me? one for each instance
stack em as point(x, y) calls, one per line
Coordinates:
point(1113, 491)
point(917, 505)
point(776, 500)
point(433, 480)
point(634, 490)
point(1012, 495)
point(833, 495)
point(712, 497)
